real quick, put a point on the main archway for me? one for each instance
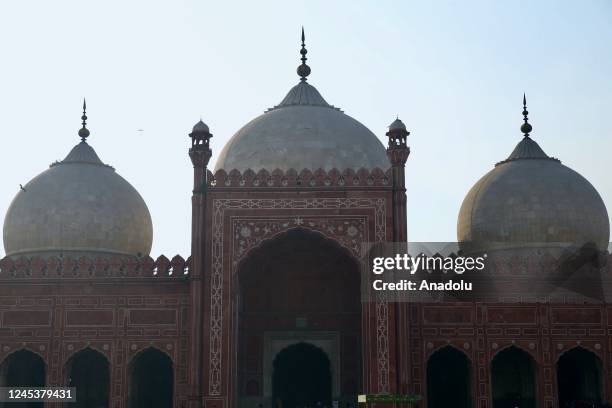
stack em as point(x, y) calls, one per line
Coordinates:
point(298, 287)
point(579, 378)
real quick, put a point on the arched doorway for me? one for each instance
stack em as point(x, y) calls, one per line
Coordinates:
point(151, 382)
point(448, 379)
point(579, 378)
point(513, 379)
point(89, 372)
point(23, 368)
point(298, 287)
point(302, 377)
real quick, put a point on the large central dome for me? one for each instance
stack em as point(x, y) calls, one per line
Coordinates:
point(303, 131)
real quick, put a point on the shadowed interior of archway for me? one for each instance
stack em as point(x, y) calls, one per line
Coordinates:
point(151, 380)
point(448, 379)
point(22, 368)
point(302, 377)
point(298, 282)
point(579, 378)
point(513, 379)
point(89, 373)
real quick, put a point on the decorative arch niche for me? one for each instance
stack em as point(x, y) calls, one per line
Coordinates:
point(89, 372)
point(579, 377)
point(151, 380)
point(23, 368)
point(513, 379)
point(449, 379)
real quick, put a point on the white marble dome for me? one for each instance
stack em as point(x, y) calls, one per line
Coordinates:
point(79, 206)
point(532, 200)
point(303, 132)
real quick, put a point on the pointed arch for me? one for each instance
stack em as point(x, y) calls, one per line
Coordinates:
point(513, 378)
point(500, 349)
point(88, 370)
point(261, 243)
point(585, 347)
point(83, 347)
point(298, 283)
point(449, 378)
point(434, 350)
point(151, 379)
point(579, 377)
point(28, 349)
point(24, 368)
point(152, 347)
point(302, 376)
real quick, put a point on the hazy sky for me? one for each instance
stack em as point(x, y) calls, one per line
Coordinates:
point(454, 72)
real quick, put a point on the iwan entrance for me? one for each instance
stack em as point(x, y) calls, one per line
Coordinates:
point(299, 323)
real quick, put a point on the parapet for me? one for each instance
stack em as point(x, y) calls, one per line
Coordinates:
point(319, 179)
point(66, 267)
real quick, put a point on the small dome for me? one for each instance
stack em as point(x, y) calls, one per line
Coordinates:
point(78, 206)
point(303, 131)
point(397, 124)
point(532, 200)
point(200, 127)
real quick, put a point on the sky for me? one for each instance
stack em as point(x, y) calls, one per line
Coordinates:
point(453, 71)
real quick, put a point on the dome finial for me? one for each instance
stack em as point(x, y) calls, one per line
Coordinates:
point(84, 132)
point(526, 128)
point(303, 70)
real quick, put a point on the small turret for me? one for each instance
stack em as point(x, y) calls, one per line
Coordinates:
point(200, 153)
point(200, 135)
point(397, 149)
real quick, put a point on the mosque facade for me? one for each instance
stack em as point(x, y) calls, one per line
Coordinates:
point(268, 308)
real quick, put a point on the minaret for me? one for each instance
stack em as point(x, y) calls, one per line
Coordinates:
point(200, 154)
point(398, 152)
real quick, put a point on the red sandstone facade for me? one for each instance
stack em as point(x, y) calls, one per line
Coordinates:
point(212, 315)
